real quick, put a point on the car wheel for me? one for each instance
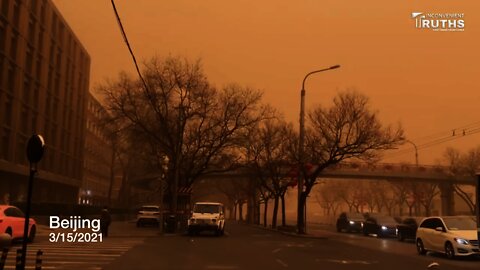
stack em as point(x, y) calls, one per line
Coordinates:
point(31, 236)
point(420, 249)
point(379, 233)
point(365, 232)
point(449, 251)
point(9, 231)
point(400, 236)
point(339, 229)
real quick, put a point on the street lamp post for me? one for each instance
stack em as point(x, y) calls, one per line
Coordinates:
point(301, 142)
point(416, 151)
point(163, 185)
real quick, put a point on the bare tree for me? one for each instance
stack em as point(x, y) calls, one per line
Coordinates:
point(427, 192)
point(346, 193)
point(463, 165)
point(268, 153)
point(349, 129)
point(196, 125)
point(328, 198)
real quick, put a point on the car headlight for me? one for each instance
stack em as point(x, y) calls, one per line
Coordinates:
point(352, 222)
point(384, 228)
point(462, 241)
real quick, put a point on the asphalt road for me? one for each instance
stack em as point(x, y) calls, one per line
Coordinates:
point(247, 247)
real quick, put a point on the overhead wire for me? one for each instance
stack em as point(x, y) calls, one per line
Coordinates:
point(124, 35)
point(465, 130)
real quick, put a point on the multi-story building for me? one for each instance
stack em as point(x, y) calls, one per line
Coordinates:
point(99, 182)
point(44, 80)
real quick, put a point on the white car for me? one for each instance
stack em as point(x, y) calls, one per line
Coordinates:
point(207, 216)
point(452, 235)
point(148, 214)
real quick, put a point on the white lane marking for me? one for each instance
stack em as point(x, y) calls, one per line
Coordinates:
point(222, 267)
point(72, 254)
point(276, 250)
point(348, 261)
point(282, 263)
point(29, 267)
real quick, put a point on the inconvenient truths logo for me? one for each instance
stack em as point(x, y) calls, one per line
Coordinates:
point(439, 21)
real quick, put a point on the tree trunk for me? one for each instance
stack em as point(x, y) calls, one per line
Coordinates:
point(284, 222)
point(275, 212)
point(112, 175)
point(240, 211)
point(301, 213)
point(235, 211)
point(265, 211)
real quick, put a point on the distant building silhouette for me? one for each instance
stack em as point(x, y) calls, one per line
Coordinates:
point(98, 158)
point(44, 81)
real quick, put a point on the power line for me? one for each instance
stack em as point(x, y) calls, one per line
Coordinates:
point(124, 35)
point(465, 132)
point(449, 131)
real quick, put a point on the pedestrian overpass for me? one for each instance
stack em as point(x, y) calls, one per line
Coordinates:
point(388, 172)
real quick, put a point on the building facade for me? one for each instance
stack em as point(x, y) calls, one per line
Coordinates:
point(99, 185)
point(44, 81)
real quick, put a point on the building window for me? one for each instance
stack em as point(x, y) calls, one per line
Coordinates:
point(7, 110)
point(27, 90)
point(33, 6)
point(20, 151)
point(38, 68)
point(5, 6)
point(3, 36)
point(31, 30)
point(16, 13)
point(5, 144)
point(14, 45)
point(11, 77)
point(24, 120)
point(2, 59)
point(42, 12)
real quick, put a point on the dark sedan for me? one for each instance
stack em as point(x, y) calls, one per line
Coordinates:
point(382, 226)
point(408, 228)
point(350, 222)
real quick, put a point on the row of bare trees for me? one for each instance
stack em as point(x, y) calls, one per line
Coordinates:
point(176, 112)
point(377, 196)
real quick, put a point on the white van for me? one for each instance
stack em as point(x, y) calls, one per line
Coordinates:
point(207, 216)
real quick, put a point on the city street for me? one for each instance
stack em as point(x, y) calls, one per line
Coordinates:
point(242, 247)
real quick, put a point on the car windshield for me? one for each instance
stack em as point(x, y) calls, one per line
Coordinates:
point(460, 223)
point(149, 209)
point(386, 220)
point(206, 208)
point(355, 216)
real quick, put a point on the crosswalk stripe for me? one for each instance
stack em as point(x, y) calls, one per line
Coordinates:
point(87, 256)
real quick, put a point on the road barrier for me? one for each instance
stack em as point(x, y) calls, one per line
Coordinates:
point(18, 259)
point(4, 258)
point(38, 260)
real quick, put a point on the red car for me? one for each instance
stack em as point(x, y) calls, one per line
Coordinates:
point(12, 221)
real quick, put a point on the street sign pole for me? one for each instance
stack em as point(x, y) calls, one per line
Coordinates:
point(477, 195)
point(35, 148)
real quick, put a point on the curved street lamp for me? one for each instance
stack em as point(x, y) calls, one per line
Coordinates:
point(416, 151)
point(300, 218)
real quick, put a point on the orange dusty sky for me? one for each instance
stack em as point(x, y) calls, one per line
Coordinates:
point(426, 80)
